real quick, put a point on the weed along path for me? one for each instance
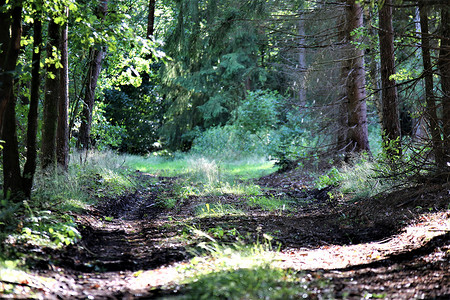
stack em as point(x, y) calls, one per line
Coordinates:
point(276, 237)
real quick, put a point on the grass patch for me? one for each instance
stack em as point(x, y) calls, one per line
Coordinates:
point(199, 176)
point(268, 203)
point(241, 271)
point(217, 210)
point(157, 165)
point(250, 169)
point(45, 219)
point(200, 166)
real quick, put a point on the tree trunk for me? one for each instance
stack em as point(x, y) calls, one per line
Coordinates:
point(302, 62)
point(356, 92)
point(96, 55)
point(342, 141)
point(10, 37)
point(444, 68)
point(391, 121)
point(419, 131)
point(151, 19)
point(95, 66)
point(52, 93)
point(429, 96)
point(30, 165)
point(62, 138)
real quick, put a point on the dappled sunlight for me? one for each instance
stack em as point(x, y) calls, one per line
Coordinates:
point(342, 256)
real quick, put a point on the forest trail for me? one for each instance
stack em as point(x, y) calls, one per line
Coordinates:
point(133, 249)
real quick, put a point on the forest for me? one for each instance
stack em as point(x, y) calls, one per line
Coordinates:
point(234, 149)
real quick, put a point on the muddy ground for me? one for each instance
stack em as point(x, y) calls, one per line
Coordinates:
point(394, 246)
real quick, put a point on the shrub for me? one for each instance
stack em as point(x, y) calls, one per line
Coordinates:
point(230, 143)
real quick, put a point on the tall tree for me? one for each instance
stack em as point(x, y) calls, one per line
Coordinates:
point(355, 84)
point(95, 65)
point(151, 18)
point(302, 61)
point(62, 138)
point(444, 68)
point(390, 121)
point(30, 166)
point(51, 98)
point(431, 107)
point(10, 37)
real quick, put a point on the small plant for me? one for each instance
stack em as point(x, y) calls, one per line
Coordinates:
point(332, 178)
point(218, 232)
point(241, 271)
point(216, 210)
point(268, 203)
point(166, 202)
point(43, 228)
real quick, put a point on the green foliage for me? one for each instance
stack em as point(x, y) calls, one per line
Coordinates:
point(365, 177)
point(294, 139)
point(138, 110)
point(229, 143)
point(9, 216)
point(239, 271)
point(333, 177)
point(213, 66)
point(104, 134)
point(258, 113)
point(157, 165)
point(44, 228)
point(168, 203)
point(217, 210)
point(268, 203)
point(256, 283)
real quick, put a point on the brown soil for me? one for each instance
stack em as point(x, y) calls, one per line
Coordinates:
point(394, 246)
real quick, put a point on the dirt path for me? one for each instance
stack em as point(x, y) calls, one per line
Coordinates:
point(385, 248)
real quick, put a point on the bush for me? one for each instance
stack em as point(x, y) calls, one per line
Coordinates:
point(258, 113)
point(230, 143)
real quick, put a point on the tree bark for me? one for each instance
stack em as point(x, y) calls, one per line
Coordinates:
point(342, 141)
point(151, 19)
point(431, 108)
point(30, 165)
point(356, 93)
point(444, 68)
point(62, 138)
point(391, 121)
point(95, 65)
point(302, 62)
point(83, 142)
point(10, 37)
point(52, 93)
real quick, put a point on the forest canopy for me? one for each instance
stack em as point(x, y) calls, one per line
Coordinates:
point(286, 80)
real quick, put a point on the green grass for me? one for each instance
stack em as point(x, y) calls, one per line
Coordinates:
point(240, 271)
point(246, 170)
point(45, 219)
point(185, 164)
point(157, 165)
point(199, 176)
point(268, 203)
point(217, 210)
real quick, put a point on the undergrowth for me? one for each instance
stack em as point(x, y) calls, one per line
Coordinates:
point(361, 178)
point(241, 271)
point(47, 218)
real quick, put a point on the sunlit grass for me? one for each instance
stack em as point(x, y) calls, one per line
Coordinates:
point(268, 203)
point(240, 188)
point(217, 210)
point(185, 164)
point(239, 271)
point(157, 165)
point(200, 176)
point(250, 169)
